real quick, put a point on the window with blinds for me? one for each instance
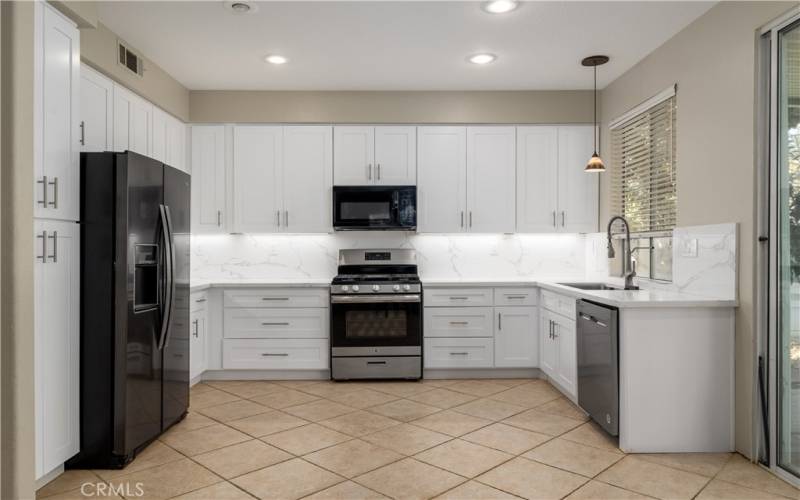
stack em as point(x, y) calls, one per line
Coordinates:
point(643, 168)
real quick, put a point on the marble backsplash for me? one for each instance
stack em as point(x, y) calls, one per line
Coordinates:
point(704, 257)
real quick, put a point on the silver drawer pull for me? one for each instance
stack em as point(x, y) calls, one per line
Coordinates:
point(459, 298)
point(274, 298)
point(376, 362)
point(276, 324)
point(459, 322)
point(274, 354)
point(516, 296)
point(200, 300)
point(43, 236)
point(459, 354)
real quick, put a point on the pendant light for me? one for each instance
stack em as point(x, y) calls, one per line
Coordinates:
point(595, 162)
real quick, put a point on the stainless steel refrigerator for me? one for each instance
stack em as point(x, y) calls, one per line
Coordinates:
point(135, 230)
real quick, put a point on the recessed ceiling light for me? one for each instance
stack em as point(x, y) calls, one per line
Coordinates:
point(240, 7)
point(276, 59)
point(484, 58)
point(500, 6)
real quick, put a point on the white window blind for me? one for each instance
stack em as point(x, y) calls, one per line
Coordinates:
point(643, 168)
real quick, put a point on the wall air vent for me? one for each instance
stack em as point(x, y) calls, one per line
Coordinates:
point(128, 58)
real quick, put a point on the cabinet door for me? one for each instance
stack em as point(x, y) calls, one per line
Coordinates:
point(141, 123)
point(577, 191)
point(537, 179)
point(516, 339)
point(123, 110)
point(307, 179)
point(567, 371)
point(396, 156)
point(97, 111)
point(208, 178)
point(57, 195)
point(197, 341)
point(159, 146)
point(491, 175)
point(56, 330)
point(353, 156)
point(257, 162)
point(548, 350)
point(176, 143)
point(441, 183)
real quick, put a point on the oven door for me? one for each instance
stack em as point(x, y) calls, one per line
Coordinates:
point(370, 325)
point(374, 207)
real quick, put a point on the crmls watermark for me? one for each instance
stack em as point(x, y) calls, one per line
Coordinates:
point(100, 490)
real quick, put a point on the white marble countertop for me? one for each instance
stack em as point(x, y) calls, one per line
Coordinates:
point(617, 298)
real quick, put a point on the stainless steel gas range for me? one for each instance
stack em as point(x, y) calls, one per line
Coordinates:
point(376, 316)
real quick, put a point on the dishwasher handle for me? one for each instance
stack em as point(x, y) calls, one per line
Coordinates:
point(593, 320)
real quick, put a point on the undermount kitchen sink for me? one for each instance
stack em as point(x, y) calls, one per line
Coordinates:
point(594, 286)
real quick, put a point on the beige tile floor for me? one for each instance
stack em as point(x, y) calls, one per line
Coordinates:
point(454, 439)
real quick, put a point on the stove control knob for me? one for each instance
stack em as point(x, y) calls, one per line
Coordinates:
point(406, 287)
point(376, 288)
point(355, 288)
point(396, 288)
point(345, 288)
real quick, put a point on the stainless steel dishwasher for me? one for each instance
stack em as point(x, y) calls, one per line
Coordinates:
point(598, 363)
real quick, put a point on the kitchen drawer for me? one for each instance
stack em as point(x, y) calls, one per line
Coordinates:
point(198, 301)
point(459, 352)
point(275, 354)
point(276, 297)
point(251, 323)
point(444, 297)
point(374, 368)
point(560, 304)
point(515, 297)
point(458, 322)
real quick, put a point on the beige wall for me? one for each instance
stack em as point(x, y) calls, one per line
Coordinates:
point(392, 107)
point(83, 13)
point(713, 63)
point(16, 246)
point(99, 50)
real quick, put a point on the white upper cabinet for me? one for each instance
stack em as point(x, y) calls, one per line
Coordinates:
point(257, 160)
point(176, 143)
point(490, 179)
point(578, 191)
point(208, 178)
point(307, 178)
point(159, 127)
point(133, 121)
point(56, 176)
point(395, 156)
point(554, 194)
point(354, 155)
point(537, 179)
point(441, 187)
point(97, 111)
point(56, 282)
point(365, 155)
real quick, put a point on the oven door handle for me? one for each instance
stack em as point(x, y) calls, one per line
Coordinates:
point(374, 299)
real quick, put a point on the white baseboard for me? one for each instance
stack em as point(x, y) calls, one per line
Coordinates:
point(326, 374)
point(49, 476)
point(482, 373)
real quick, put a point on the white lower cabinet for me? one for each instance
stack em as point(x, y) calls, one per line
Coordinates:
point(276, 323)
point(198, 317)
point(558, 343)
point(476, 328)
point(56, 332)
point(516, 344)
point(275, 354)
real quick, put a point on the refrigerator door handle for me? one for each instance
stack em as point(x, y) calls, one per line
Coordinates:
point(169, 288)
point(171, 273)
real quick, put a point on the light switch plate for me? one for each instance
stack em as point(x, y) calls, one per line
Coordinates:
point(689, 248)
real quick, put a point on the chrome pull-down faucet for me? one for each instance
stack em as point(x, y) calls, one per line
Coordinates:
point(629, 266)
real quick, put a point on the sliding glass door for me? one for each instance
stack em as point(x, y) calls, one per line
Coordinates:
point(787, 343)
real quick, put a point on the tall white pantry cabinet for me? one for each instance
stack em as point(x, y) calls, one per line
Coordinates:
point(55, 234)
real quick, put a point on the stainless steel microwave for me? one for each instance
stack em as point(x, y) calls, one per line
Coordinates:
point(366, 208)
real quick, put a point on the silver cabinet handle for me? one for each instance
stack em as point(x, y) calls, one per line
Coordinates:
point(516, 296)
point(499, 321)
point(379, 171)
point(54, 183)
point(43, 182)
point(563, 218)
point(551, 328)
point(554, 218)
point(275, 323)
point(274, 298)
point(43, 236)
point(555, 330)
point(369, 171)
point(196, 324)
point(278, 218)
point(54, 237)
point(83, 133)
point(461, 323)
point(459, 353)
point(200, 300)
point(268, 354)
point(459, 298)
point(286, 218)
point(470, 218)
point(462, 218)
point(219, 218)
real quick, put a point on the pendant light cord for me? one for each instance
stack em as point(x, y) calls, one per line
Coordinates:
point(597, 129)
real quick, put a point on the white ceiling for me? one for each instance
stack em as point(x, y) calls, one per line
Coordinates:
point(394, 45)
